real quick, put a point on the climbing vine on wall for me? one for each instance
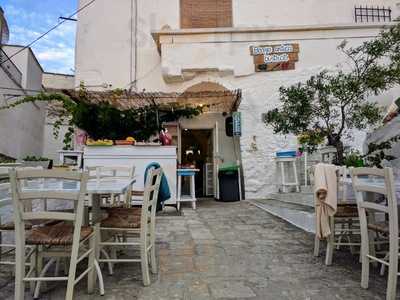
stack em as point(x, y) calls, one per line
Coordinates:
point(103, 120)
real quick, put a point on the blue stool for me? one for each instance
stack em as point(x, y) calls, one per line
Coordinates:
point(186, 198)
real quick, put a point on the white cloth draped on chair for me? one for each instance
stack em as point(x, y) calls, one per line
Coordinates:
point(325, 189)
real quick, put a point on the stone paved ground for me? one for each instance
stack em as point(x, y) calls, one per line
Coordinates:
point(231, 251)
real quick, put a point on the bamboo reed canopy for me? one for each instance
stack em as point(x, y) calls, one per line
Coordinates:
point(210, 101)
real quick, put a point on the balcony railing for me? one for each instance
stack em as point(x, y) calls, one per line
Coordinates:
point(10, 68)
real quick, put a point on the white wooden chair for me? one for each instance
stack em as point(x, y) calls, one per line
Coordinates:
point(136, 223)
point(390, 227)
point(65, 239)
point(7, 249)
point(344, 225)
point(112, 200)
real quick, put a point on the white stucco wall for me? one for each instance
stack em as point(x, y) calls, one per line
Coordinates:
point(301, 12)
point(58, 81)
point(221, 56)
point(21, 128)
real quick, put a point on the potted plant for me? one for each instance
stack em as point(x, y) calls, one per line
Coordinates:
point(33, 161)
point(354, 159)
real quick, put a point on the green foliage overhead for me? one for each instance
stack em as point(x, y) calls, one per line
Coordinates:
point(331, 104)
point(104, 121)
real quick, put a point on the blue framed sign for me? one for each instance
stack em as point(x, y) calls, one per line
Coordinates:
point(237, 123)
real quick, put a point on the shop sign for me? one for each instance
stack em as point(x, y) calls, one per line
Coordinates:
point(237, 123)
point(269, 58)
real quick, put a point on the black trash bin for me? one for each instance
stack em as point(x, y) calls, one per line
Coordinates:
point(229, 184)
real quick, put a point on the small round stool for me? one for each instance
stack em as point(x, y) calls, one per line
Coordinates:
point(186, 198)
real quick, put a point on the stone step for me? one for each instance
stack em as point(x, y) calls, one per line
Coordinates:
point(304, 198)
point(299, 215)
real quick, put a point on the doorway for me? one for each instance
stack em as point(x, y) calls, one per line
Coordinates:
point(197, 151)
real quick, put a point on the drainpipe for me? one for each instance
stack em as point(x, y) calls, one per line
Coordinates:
point(134, 45)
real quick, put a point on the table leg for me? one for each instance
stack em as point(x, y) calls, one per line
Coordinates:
point(296, 178)
point(96, 218)
point(178, 193)
point(193, 191)
point(305, 168)
point(283, 176)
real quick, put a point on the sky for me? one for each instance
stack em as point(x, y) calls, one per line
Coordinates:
point(27, 19)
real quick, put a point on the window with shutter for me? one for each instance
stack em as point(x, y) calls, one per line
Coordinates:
point(206, 13)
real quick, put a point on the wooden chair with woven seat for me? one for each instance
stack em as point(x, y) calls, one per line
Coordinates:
point(7, 249)
point(363, 189)
point(110, 201)
point(344, 224)
point(138, 224)
point(100, 173)
point(67, 238)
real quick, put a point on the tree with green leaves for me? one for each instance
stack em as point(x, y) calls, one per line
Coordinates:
point(331, 104)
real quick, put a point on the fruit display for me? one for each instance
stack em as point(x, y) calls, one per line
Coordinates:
point(128, 141)
point(123, 142)
point(91, 142)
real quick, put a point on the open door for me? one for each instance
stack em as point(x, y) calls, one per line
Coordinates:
point(216, 160)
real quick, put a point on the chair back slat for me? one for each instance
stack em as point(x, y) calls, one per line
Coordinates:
point(46, 174)
point(62, 216)
point(73, 196)
point(374, 206)
point(369, 188)
point(368, 172)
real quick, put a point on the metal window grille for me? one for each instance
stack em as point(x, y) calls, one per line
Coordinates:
point(372, 14)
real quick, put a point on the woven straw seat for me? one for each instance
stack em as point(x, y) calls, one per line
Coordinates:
point(124, 211)
point(60, 234)
point(28, 225)
point(138, 193)
point(379, 227)
point(121, 221)
point(347, 211)
point(11, 226)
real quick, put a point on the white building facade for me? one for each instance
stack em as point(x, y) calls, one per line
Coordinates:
point(21, 128)
point(174, 45)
